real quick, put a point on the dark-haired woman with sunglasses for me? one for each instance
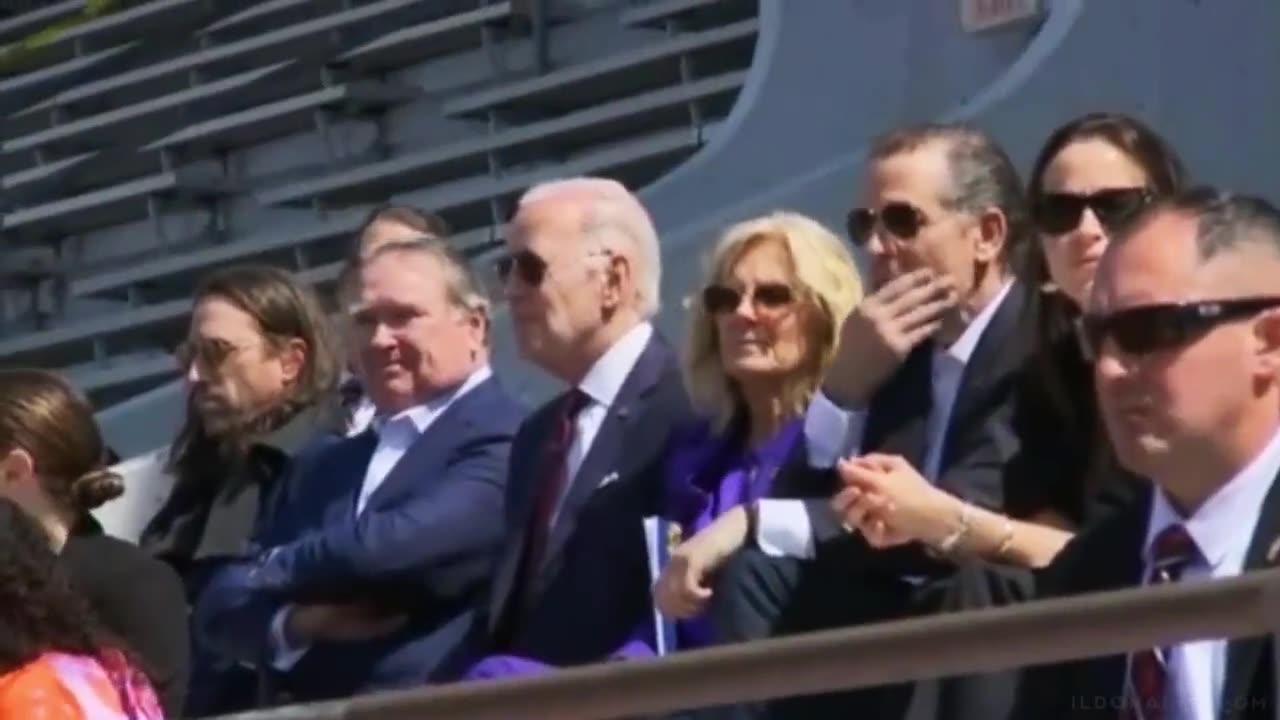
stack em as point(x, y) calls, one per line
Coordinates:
point(761, 337)
point(1092, 176)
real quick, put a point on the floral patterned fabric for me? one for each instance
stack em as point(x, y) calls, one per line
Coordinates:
point(58, 686)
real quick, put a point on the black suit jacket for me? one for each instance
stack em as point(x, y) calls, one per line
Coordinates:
point(140, 600)
point(987, 429)
point(1109, 557)
point(593, 589)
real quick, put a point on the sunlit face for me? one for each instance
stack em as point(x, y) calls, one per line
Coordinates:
point(413, 342)
point(945, 240)
point(233, 370)
point(762, 339)
point(553, 310)
point(1083, 168)
point(1165, 408)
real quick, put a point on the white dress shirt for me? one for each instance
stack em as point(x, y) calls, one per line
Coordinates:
point(1222, 529)
point(362, 416)
point(832, 432)
point(395, 435)
point(601, 385)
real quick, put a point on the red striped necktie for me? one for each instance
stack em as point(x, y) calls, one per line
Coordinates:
point(1148, 676)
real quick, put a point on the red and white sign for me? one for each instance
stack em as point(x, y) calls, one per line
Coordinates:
point(976, 15)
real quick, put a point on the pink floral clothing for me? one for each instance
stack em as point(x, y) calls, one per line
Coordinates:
point(58, 686)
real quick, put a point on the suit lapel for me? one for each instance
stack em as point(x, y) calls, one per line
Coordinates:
point(1001, 350)
point(439, 436)
point(519, 516)
point(899, 419)
point(605, 454)
point(1243, 654)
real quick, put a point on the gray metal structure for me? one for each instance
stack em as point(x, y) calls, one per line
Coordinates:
point(173, 137)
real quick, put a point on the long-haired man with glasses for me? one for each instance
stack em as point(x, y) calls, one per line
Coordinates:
point(582, 284)
point(261, 371)
point(1184, 330)
point(925, 371)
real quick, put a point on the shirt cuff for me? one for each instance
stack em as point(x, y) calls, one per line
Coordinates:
point(283, 657)
point(784, 529)
point(831, 432)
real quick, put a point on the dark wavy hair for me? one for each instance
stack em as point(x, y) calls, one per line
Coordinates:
point(39, 610)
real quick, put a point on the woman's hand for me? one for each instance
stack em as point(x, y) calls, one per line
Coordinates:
point(682, 591)
point(890, 503)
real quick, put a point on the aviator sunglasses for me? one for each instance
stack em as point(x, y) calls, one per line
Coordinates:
point(206, 353)
point(720, 299)
point(1151, 328)
point(530, 268)
point(1060, 213)
point(902, 220)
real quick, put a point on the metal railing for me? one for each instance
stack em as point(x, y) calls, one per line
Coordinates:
point(937, 646)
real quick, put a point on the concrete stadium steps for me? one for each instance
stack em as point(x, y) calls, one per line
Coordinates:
point(221, 131)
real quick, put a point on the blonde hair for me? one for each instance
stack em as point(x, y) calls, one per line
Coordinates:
point(825, 277)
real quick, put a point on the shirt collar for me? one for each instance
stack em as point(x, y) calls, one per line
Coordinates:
point(422, 415)
point(1224, 523)
point(605, 378)
point(962, 349)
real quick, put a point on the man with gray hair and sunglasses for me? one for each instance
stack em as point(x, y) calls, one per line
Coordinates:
point(582, 283)
point(1184, 330)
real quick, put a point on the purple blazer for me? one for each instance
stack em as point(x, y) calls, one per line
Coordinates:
point(710, 474)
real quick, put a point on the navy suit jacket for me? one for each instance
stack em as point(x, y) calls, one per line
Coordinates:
point(593, 589)
point(424, 545)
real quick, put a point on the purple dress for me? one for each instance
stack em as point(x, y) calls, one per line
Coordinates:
point(706, 475)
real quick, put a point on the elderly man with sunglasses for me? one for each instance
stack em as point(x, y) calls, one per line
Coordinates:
point(926, 371)
point(1184, 330)
point(582, 283)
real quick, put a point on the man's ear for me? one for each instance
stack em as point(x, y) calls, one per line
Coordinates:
point(993, 233)
point(618, 279)
point(1266, 338)
point(293, 358)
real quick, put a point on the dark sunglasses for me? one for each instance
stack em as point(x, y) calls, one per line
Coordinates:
point(902, 220)
point(208, 353)
point(718, 299)
point(1058, 213)
point(530, 268)
point(1151, 328)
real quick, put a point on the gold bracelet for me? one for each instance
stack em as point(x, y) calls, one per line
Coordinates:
point(949, 543)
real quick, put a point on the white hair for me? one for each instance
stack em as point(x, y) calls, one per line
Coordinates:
point(616, 220)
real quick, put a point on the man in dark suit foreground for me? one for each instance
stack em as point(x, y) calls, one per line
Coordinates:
point(377, 551)
point(1184, 326)
point(582, 281)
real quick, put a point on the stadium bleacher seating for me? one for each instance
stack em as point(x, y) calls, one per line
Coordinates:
point(145, 146)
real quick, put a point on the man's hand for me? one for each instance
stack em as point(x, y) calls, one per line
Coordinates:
point(881, 331)
point(309, 624)
point(682, 591)
point(890, 503)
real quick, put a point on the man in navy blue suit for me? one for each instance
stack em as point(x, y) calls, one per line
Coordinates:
point(376, 552)
point(582, 281)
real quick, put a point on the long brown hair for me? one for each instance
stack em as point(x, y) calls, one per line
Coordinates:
point(1054, 313)
point(284, 310)
point(42, 414)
